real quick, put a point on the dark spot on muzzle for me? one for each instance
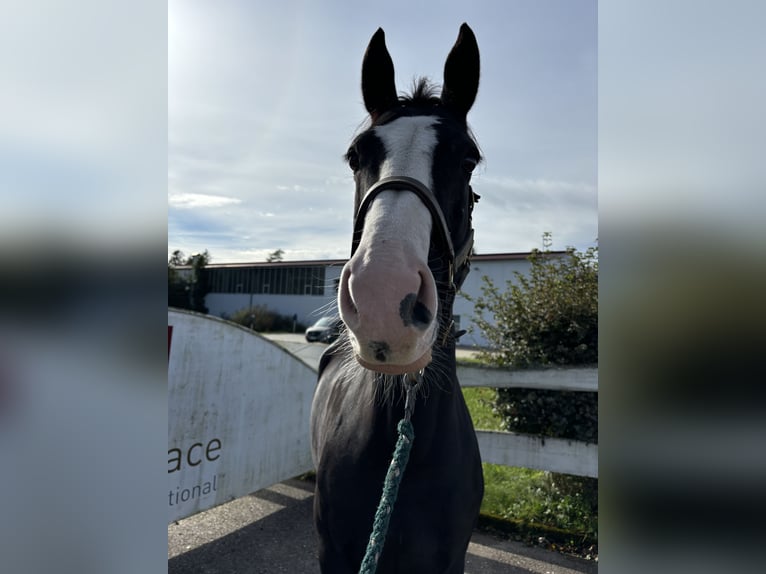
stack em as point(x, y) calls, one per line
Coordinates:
point(380, 349)
point(414, 313)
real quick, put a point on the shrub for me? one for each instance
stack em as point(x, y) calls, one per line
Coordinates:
point(561, 414)
point(547, 318)
point(261, 318)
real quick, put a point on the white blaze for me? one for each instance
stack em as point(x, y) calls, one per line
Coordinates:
point(409, 143)
point(391, 262)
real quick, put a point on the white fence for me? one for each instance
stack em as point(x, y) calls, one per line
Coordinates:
point(238, 411)
point(512, 449)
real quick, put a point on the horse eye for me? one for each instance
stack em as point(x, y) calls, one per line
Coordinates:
point(353, 159)
point(469, 164)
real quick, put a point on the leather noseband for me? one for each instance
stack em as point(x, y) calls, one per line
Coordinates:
point(459, 263)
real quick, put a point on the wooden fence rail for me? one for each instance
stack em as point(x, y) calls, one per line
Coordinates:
point(529, 451)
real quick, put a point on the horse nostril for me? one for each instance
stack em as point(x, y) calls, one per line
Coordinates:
point(421, 315)
point(346, 299)
point(414, 312)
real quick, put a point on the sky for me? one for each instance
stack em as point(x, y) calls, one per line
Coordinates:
point(264, 99)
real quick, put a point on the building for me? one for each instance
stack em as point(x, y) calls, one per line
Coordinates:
point(308, 289)
point(303, 288)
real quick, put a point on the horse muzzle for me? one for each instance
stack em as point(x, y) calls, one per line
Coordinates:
point(390, 309)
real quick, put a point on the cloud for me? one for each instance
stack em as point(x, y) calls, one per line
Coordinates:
point(271, 130)
point(548, 187)
point(514, 213)
point(539, 196)
point(199, 200)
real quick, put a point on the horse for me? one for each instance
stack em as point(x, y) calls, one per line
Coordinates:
point(410, 253)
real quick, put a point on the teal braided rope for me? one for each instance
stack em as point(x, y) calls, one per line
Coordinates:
point(388, 498)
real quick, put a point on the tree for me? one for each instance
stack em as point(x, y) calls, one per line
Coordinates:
point(198, 284)
point(178, 295)
point(177, 259)
point(275, 256)
point(187, 288)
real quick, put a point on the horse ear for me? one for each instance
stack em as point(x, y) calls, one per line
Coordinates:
point(378, 85)
point(461, 73)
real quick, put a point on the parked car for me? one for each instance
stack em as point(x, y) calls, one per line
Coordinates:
point(326, 330)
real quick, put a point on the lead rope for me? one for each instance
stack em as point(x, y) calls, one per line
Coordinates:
point(393, 478)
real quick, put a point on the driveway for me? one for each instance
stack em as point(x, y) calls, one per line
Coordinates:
point(271, 531)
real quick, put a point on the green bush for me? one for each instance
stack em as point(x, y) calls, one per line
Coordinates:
point(547, 318)
point(533, 503)
point(261, 318)
point(561, 414)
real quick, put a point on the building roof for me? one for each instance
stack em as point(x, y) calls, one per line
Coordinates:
point(509, 256)
point(305, 263)
point(334, 262)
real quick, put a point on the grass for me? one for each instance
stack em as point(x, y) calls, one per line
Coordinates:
point(480, 401)
point(471, 362)
point(529, 503)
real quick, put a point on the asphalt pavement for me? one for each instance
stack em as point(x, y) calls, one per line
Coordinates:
point(271, 532)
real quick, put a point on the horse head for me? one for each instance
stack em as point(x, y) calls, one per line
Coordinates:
point(412, 232)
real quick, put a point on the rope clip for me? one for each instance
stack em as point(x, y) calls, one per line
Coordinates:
point(411, 382)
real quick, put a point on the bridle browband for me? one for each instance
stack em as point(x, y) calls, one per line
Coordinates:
point(459, 262)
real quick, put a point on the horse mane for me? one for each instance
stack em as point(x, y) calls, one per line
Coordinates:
point(424, 97)
point(424, 93)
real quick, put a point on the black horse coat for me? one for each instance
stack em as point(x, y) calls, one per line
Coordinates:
point(355, 411)
point(354, 434)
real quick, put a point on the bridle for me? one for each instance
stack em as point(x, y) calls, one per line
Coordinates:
point(459, 261)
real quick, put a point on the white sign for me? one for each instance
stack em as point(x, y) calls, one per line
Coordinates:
point(238, 413)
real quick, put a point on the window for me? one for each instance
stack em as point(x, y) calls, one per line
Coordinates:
point(283, 280)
